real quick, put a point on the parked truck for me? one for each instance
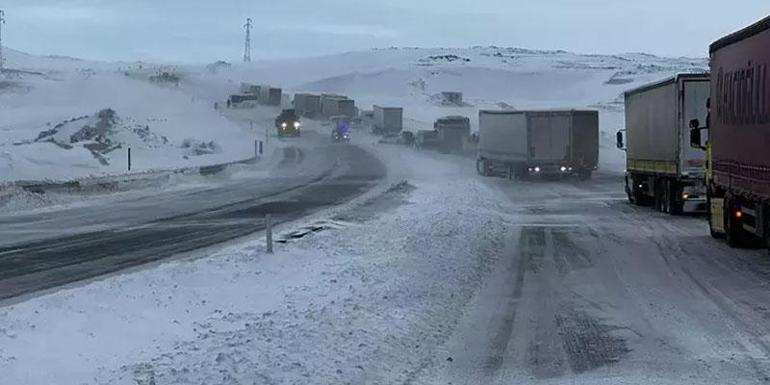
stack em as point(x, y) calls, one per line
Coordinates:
point(549, 142)
point(661, 166)
point(738, 132)
point(388, 120)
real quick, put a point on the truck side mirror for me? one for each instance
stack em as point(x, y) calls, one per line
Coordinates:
point(695, 141)
point(619, 139)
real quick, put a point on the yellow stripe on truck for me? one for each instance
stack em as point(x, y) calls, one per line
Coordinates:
point(652, 166)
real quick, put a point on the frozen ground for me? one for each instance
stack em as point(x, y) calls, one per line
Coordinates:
point(438, 276)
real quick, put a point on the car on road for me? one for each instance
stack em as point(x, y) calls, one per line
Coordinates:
point(288, 123)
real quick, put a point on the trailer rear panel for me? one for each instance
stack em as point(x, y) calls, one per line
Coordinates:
point(740, 110)
point(503, 136)
point(585, 138)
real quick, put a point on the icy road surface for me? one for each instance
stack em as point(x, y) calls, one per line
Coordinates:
point(446, 278)
point(59, 246)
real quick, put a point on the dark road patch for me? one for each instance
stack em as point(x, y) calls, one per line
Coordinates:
point(31, 267)
point(589, 344)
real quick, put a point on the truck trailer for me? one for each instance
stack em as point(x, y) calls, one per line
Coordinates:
point(388, 120)
point(453, 132)
point(548, 142)
point(738, 173)
point(307, 105)
point(661, 167)
point(270, 96)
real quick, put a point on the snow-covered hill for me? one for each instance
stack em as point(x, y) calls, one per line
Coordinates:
point(489, 77)
point(38, 94)
point(41, 92)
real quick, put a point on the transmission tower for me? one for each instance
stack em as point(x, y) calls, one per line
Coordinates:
point(247, 48)
point(2, 21)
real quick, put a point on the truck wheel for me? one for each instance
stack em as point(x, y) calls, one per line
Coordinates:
point(482, 166)
point(734, 233)
point(675, 192)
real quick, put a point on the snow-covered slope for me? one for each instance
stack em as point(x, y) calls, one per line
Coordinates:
point(42, 92)
point(39, 93)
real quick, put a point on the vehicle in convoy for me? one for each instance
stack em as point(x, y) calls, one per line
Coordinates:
point(307, 105)
point(738, 132)
point(288, 123)
point(388, 120)
point(661, 167)
point(270, 96)
point(333, 105)
point(548, 142)
point(453, 132)
point(243, 101)
point(340, 128)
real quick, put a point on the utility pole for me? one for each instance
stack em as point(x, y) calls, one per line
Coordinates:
point(247, 48)
point(2, 21)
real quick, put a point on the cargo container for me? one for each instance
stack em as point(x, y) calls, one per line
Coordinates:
point(548, 142)
point(333, 105)
point(453, 132)
point(738, 131)
point(270, 96)
point(307, 105)
point(248, 88)
point(244, 100)
point(661, 167)
point(388, 120)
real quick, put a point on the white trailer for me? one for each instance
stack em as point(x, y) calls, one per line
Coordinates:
point(661, 166)
point(548, 142)
point(388, 119)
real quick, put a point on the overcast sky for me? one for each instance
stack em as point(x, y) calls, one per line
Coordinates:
point(207, 30)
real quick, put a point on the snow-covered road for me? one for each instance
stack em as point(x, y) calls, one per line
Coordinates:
point(440, 276)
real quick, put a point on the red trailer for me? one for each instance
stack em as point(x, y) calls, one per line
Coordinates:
point(738, 177)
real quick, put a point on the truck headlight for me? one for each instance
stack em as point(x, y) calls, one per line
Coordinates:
point(296, 125)
point(563, 169)
point(685, 196)
point(537, 169)
point(283, 125)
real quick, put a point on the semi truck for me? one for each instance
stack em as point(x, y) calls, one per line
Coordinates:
point(662, 168)
point(548, 142)
point(738, 137)
point(307, 105)
point(388, 120)
point(453, 132)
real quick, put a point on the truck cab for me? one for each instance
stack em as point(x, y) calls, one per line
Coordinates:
point(288, 123)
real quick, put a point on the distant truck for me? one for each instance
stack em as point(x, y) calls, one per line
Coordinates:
point(738, 173)
point(453, 132)
point(270, 96)
point(243, 101)
point(388, 120)
point(288, 124)
point(661, 167)
point(307, 105)
point(549, 142)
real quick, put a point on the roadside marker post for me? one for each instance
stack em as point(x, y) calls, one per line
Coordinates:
point(269, 232)
point(129, 159)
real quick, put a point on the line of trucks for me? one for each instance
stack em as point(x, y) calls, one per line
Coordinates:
point(702, 141)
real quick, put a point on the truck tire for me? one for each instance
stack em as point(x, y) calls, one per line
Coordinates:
point(734, 233)
point(675, 192)
point(482, 167)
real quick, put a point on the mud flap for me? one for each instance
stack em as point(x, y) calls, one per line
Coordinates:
point(716, 216)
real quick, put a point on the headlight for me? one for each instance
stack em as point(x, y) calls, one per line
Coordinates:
point(537, 169)
point(685, 196)
point(283, 124)
point(296, 124)
point(563, 169)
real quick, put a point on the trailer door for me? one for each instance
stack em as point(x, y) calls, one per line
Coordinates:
point(549, 136)
point(693, 106)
